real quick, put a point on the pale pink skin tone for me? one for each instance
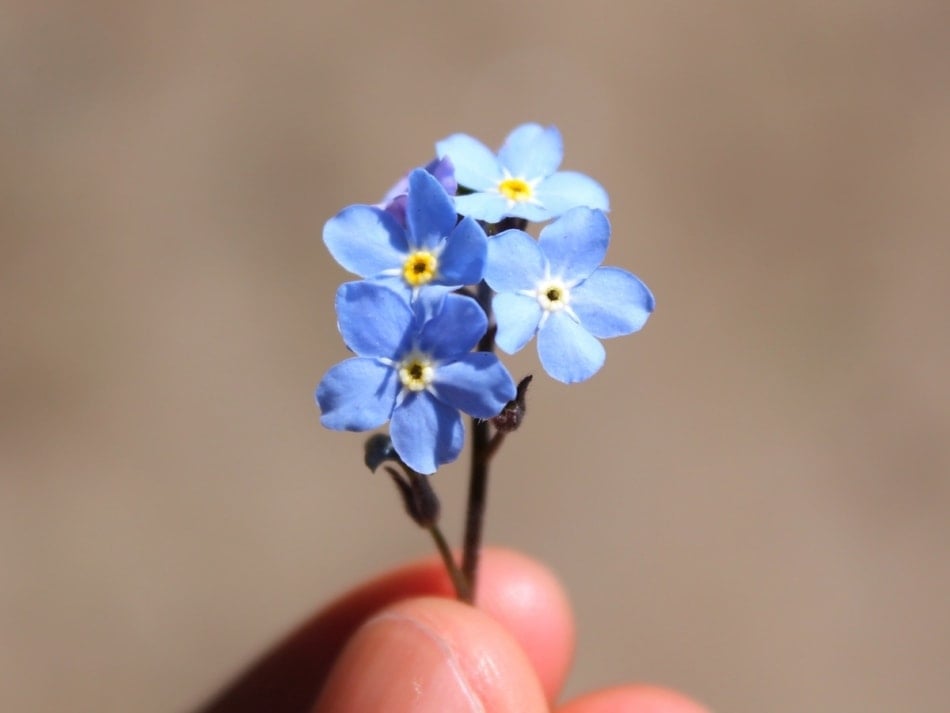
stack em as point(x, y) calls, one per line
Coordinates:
point(400, 643)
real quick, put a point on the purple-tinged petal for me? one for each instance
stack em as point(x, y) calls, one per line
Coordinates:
point(489, 207)
point(612, 302)
point(426, 432)
point(462, 262)
point(394, 202)
point(576, 243)
point(532, 151)
point(476, 167)
point(357, 394)
point(515, 262)
point(569, 353)
point(567, 189)
point(444, 171)
point(365, 240)
point(478, 384)
point(396, 207)
point(430, 211)
point(454, 328)
point(517, 317)
point(374, 320)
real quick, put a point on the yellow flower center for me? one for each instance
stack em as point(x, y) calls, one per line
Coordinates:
point(420, 268)
point(416, 372)
point(516, 190)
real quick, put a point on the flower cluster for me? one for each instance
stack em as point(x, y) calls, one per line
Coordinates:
point(433, 281)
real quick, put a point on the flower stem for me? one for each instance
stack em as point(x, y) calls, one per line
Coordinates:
point(482, 450)
point(462, 589)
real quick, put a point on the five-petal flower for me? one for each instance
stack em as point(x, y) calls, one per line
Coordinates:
point(555, 288)
point(432, 250)
point(414, 366)
point(522, 181)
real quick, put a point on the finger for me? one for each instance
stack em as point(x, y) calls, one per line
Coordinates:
point(633, 699)
point(519, 593)
point(432, 655)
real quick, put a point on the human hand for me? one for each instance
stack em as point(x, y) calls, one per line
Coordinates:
point(400, 643)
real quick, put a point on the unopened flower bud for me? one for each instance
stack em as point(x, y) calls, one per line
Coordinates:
point(512, 414)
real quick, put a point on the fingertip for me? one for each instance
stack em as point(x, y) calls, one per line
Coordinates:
point(530, 603)
point(633, 699)
point(435, 655)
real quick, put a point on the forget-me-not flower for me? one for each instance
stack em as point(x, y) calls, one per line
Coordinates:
point(430, 251)
point(522, 181)
point(414, 366)
point(555, 288)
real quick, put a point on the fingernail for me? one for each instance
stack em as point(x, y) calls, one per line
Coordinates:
point(397, 663)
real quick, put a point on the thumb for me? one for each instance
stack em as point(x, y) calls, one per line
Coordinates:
point(435, 655)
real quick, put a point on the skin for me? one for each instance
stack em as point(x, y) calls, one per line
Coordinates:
point(400, 643)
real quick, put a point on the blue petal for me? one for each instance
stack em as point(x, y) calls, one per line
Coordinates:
point(357, 394)
point(365, 240)
point(374, 320)
point(454, 328)
point(567, 189)
point(568, 351)
point(475, 165)
point(517, 317)
point(462, 262)
point(576, 243)
point(426, 432)
point(430, 212)
point(515, 262)
point(532, 151)
point(612, 302)
point(489, 207)
point(478, 384)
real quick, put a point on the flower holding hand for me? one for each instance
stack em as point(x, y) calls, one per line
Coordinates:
point(448, 272)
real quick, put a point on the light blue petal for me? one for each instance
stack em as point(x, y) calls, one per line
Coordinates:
point(567, 189)
point(568, 352)
point(576, 243)
point(374, 320)
point(515, 262)
point(490, 207)
point(365, 240)
point(475, 164)
point(462, 262)
point(478, 384)
point(612, 302)
point(517, 317)
point(357, 394)
point(430, 212)
point(532, 151)
point(454, 328)
point(531, 212)
point(426, 432)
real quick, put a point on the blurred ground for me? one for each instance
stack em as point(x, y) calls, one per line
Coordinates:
point(750, 502)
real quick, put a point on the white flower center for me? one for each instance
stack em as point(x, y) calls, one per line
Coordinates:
point(416, 372)
point(553, 295)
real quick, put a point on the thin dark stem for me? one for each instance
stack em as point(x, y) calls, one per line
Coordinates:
point(459, 581)
point(477, 496)
point(478, 477)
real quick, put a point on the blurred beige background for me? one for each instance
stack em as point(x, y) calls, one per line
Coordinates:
point(750, 502)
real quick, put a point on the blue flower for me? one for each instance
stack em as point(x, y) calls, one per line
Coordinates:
point(555, 288)
point(522, 181)
point(414, 366)
point(431, 251)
